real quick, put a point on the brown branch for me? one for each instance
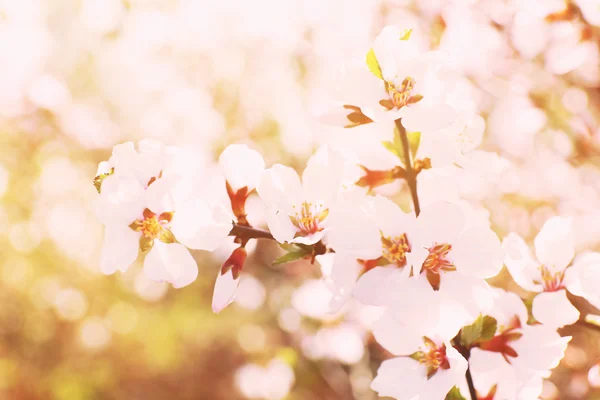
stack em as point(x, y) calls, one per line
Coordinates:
point(247, 232)
point(411, 174)
point(466, 353)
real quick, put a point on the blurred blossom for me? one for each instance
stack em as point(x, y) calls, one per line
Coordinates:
point(149, 290)
point(122, 318)
point(94, 334)
point(594, 376)
point(252, 338)
point(289, 319)
point(4, 176)
point(251, 293)
point(71, 304)
point(272, 382)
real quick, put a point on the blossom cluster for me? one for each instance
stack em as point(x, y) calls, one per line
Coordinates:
point(426, 266)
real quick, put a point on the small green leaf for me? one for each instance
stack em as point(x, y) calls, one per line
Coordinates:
point(482, 330)
point(406, 34)
point(414, 139)
point(294, 255)
point(454, 394)
point(373, 64)
point(396, 148)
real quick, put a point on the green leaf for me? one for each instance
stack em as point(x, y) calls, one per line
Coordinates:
point(396, 148)
point(482, 330)
point(294, 255)
point(373, 64)
point(406, 34)
point(414, 139)
point(454, 394)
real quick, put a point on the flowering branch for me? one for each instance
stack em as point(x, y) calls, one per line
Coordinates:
point(466, 353)
point(247, 232)
point(411, 175)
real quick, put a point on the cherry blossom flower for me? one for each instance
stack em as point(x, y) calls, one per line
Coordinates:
point(548, 274)
point(397, 81)
point(428, 371)
point(242, 168)
point(139, 205)
point(297, 211)
point(519, 355)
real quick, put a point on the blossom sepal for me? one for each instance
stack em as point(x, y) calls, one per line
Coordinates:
point(235, 262)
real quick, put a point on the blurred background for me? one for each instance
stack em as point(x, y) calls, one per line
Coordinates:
point(79, 76)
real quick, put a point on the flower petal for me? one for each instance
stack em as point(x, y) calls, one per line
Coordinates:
point(521, 265)
point(241, 166)
point(225, 289)
point(374, 287)
point(555, 244)
point(200, 225)
point(172, 263)
point(120, 248)
point(478, 253)
point(554, 309)
point(439, 222)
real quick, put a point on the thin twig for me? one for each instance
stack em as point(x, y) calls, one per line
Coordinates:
point(247, 232)
point(411, 176)
point(466, 353)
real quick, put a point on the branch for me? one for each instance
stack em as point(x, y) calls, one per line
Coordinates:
point(466, 353)
point(247, 232)
point(411, 175)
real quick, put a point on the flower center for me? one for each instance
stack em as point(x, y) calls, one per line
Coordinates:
point(400, 96)
point(551, 281)
point(394, 249)
point(153, 226)
point(432, 356)
point(437, 261)
point(310, 217)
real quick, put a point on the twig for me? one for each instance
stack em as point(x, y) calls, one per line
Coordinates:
point(247, 232)
point(411, 176)
point(466, 353)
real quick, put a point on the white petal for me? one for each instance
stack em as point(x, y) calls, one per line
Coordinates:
point(322, 176)
point(172, 263)
point(120, 248)
point(400, 378)
point(342, 279)
point(352, 230)
point(477, 252)
point(225, 290)
point(391, 220)
point(280, 187)
point(554, 309)
point(374, 287)
point(281, 226)
point(121, 200)
point(397, 337)
point(241, 166)
point(427, 118)
point(200, 225)
point(521, 265)
point(555, 244)
point(439, 222)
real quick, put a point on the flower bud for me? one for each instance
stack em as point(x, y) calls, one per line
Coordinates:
point(235, 262)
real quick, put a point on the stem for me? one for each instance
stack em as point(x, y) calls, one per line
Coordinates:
point(466, 353)
point(411, 176)
point(247, 232)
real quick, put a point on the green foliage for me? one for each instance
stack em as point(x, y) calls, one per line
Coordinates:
point(294, 252)
point(396, 147)
point(482, 330)
point(373, 64)
point(454, 394)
